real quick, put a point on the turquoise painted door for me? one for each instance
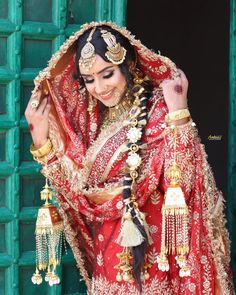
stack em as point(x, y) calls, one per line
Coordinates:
point(30, 31)
point(231, 201)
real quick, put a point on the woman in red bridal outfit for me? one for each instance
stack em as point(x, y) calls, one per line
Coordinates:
point(111, 126)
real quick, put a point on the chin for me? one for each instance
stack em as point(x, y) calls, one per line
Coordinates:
point(109, 104)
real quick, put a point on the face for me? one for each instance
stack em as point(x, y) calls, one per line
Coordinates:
point(104, 81)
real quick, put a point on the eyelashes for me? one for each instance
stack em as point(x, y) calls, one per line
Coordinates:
point(107, 76)
point(86, 81)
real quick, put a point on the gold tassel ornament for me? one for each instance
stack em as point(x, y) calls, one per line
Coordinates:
point(124, 267)
point(49, 238)
point(175, 218)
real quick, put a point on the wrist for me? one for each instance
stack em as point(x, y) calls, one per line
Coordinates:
point(42, 151)
point(180, 122)
point(177, 108)
point(39, 143)
point(178, 115)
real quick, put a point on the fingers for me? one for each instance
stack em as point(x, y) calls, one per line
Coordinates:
point(179, 79)
point(47, 108)
point(38, 115)
point(36, 96)
point(183, 77)
point(164, 82)
point(42, 105)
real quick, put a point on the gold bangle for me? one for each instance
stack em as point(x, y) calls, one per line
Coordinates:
point(45, 159)
point(177, 115)
point(42, 151)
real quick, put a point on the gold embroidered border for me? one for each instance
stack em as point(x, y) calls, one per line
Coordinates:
point(111, 162)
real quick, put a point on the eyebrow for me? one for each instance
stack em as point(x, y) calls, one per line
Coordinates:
point(103, 70)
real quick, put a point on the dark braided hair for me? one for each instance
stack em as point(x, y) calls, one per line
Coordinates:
point(100, 49)
point(140, 250)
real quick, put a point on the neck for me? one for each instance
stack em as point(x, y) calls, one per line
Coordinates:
point(115, 112)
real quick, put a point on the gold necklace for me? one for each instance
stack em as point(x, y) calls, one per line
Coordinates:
point(115, 113)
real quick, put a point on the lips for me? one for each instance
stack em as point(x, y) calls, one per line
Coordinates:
point(106, 95)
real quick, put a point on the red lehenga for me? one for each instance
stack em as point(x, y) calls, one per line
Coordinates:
point(87, 175)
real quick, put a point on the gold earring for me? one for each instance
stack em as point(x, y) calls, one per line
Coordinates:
point(91, 104)
point(138, 76)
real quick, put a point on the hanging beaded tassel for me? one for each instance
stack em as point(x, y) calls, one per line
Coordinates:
point(174, 238)
point(49, 237)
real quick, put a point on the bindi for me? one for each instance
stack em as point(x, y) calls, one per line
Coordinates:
point(178, 89)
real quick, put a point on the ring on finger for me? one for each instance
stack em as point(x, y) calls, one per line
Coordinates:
point(34, 104)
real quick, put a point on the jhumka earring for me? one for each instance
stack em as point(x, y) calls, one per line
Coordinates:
point(92, 102)
point(88, 56)
point(115, 52)
point(175, 218)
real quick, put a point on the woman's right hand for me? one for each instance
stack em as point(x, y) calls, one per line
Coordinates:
point(38, 119)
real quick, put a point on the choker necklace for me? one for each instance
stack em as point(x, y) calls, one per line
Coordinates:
point(117, 111)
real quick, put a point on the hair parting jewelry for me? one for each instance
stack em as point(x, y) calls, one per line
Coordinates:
point(115, 52)
point(88, 56)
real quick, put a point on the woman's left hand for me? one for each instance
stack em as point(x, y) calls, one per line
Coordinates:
point(175, 92)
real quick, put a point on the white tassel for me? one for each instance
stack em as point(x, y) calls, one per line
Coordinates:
point(129, 235)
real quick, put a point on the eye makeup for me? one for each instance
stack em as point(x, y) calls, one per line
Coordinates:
point(105, 76)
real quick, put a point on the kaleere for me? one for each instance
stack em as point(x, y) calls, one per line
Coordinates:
point(174, 237)
point(49, 238)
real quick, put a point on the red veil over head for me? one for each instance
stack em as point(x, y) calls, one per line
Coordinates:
point(72, 129)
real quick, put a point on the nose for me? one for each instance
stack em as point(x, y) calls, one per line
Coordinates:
point(100, 87)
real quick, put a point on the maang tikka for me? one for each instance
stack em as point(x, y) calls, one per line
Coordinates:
point(115, 52)
point(88, 56)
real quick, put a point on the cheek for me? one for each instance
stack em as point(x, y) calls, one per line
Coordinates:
point(89, 88)
point(120, 81)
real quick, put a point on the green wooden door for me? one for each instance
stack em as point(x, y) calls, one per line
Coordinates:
point(231, 200)
point(30, 31)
